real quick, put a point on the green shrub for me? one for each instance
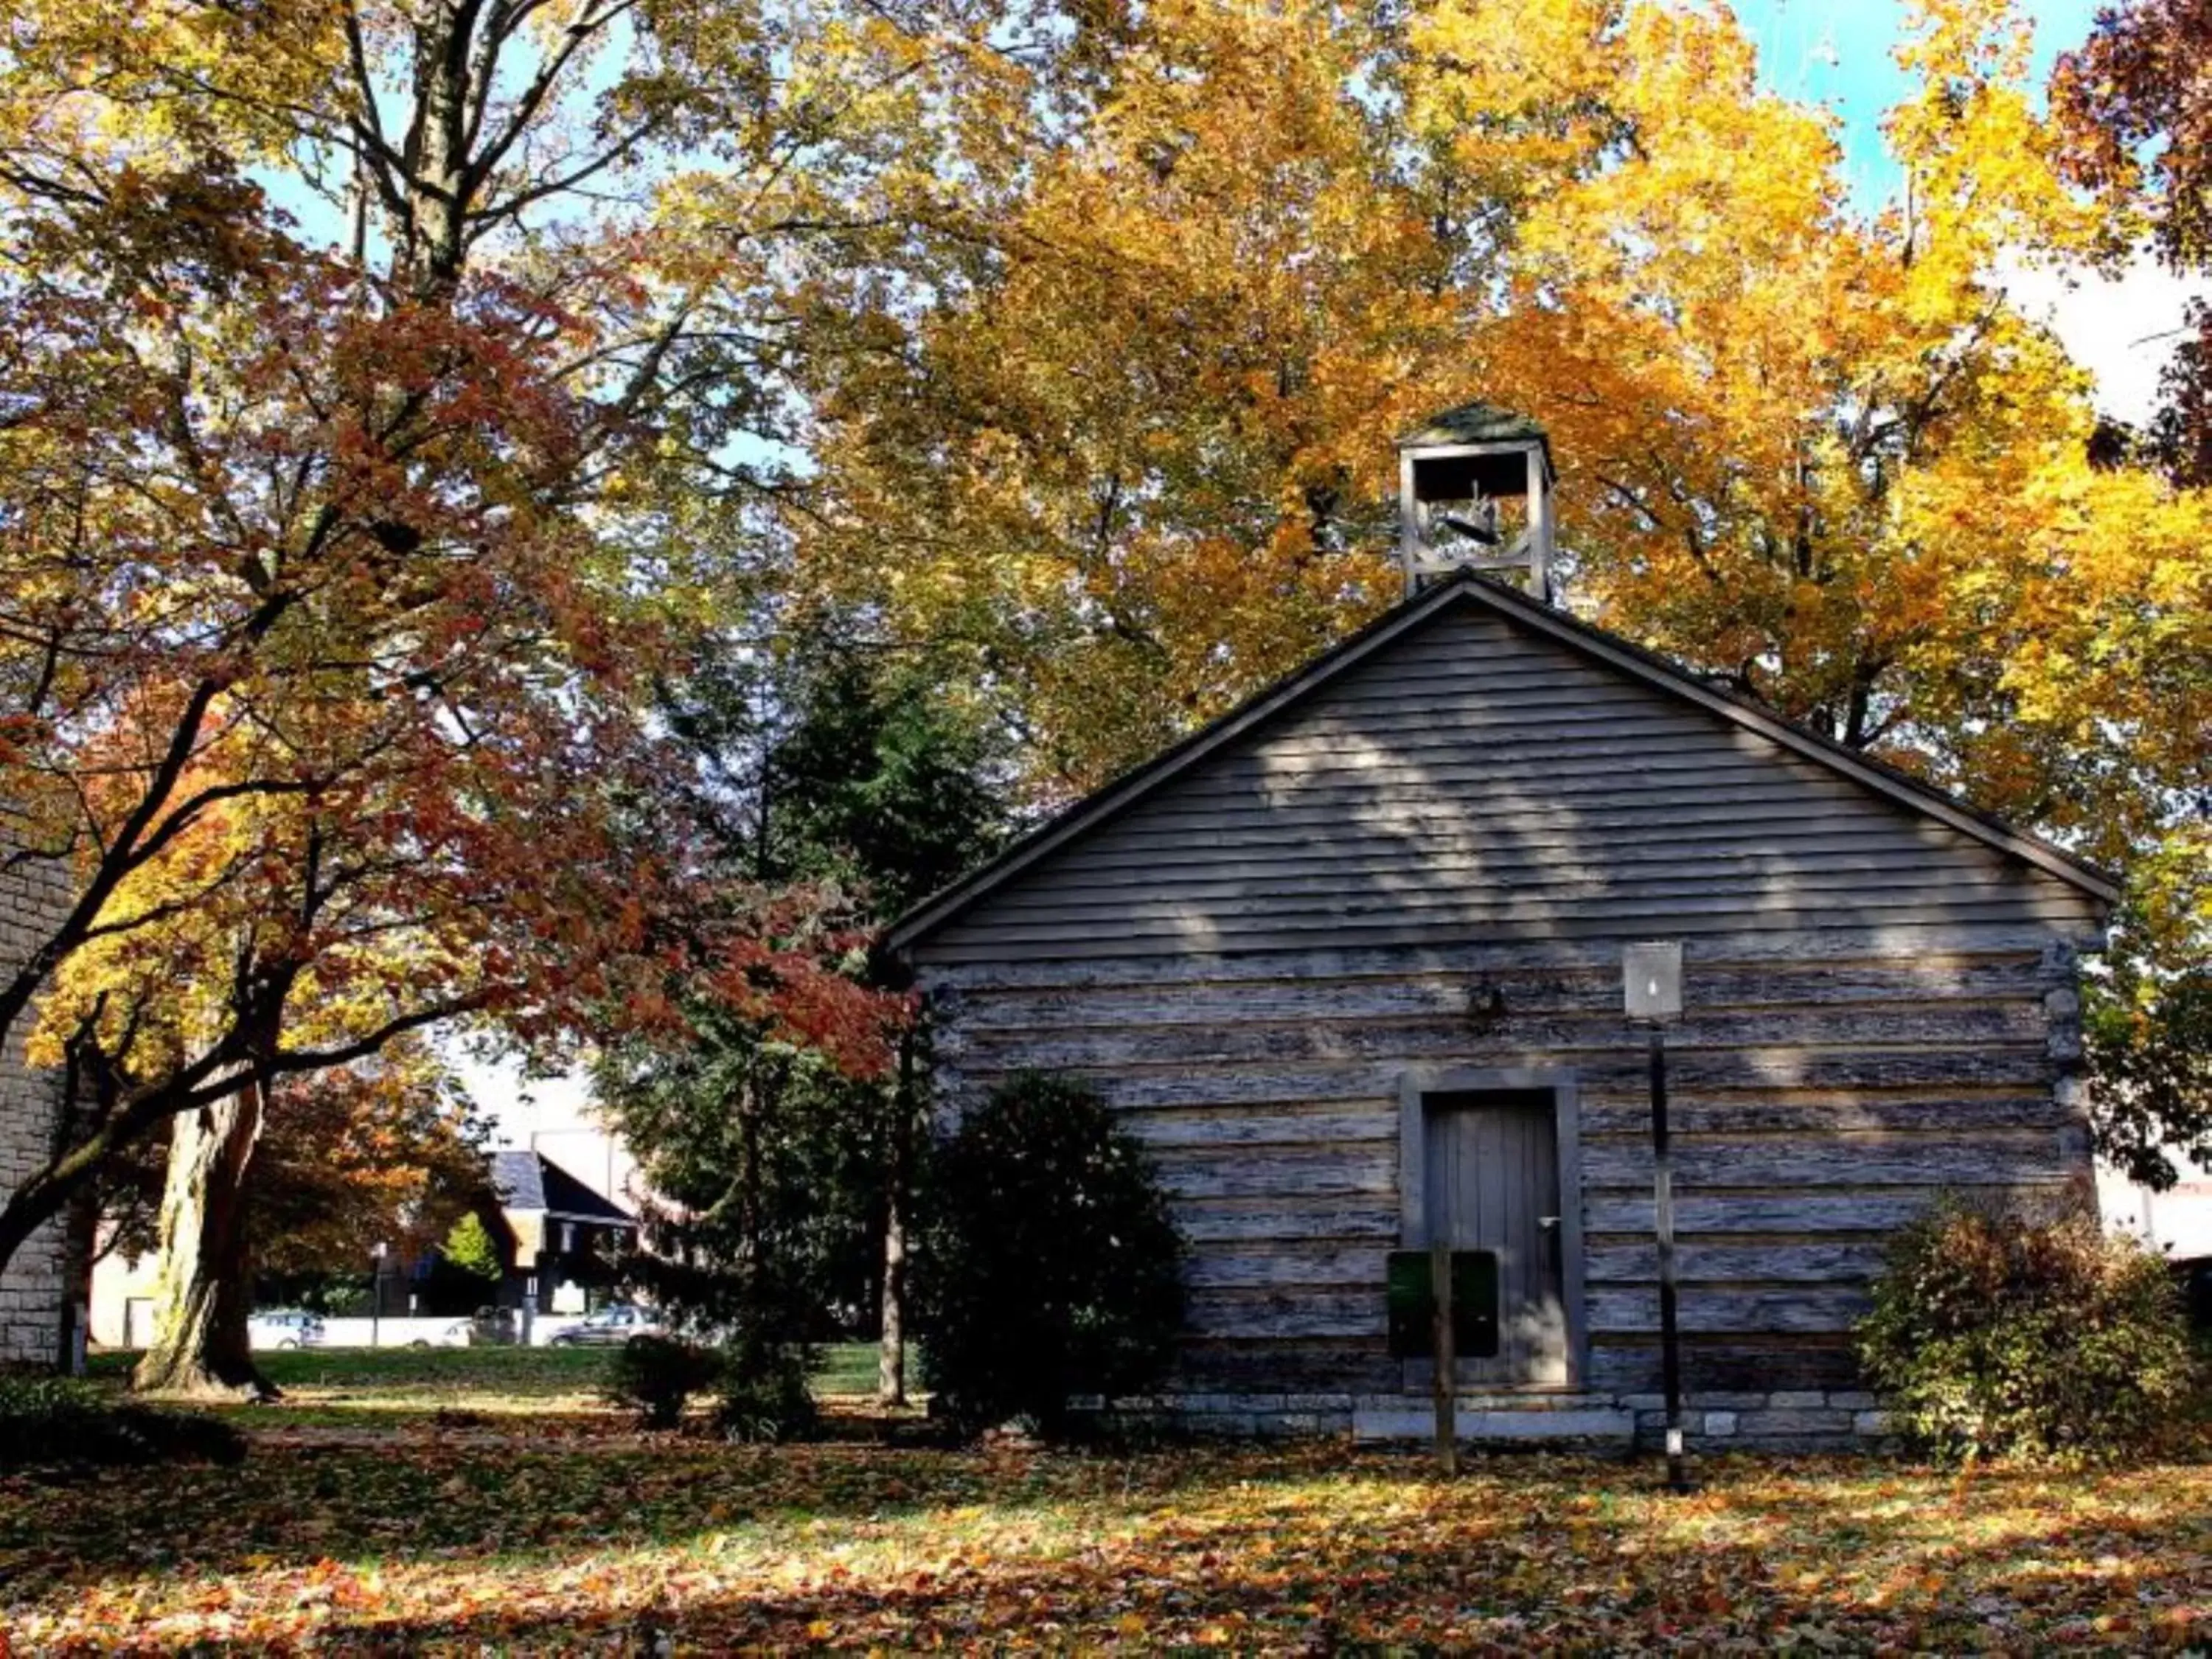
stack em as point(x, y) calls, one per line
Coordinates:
point(656, 1378)
point(765, 1399)
point(1993, 1335)
point(1048, 1267)
point(58, 1422)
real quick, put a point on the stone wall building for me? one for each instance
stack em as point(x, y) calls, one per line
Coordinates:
point(36, 1287)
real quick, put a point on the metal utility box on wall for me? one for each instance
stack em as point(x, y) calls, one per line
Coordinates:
point(1412, 1299)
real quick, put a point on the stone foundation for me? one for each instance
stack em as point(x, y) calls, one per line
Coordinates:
point(1780, 1420)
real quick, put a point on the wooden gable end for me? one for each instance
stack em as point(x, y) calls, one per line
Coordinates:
point(1476, 779)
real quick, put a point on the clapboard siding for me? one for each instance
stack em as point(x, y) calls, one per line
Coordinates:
point(1317, 1038)
point(1738, 1260)
point(1799, 1068)
point(1373, 922)
point(1865, 1209)
point(1288, 1216)
point(1818, 1114)
point(1709, 1163)
point(1504, 898)
point(1727, 1361)
point(1809, 863)
point(1431, 864)
point(1478, 778)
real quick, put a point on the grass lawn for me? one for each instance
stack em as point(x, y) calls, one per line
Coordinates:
point(336, 1384)
point(558, 1529)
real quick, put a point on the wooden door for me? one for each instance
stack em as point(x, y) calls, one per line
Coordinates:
point(1493, 1168)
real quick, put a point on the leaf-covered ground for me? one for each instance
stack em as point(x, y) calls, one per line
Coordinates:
point(567, 1533)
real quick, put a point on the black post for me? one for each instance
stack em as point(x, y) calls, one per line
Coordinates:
point(1663, 1195)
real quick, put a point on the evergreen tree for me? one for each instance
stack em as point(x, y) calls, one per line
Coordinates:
point(784, 1176)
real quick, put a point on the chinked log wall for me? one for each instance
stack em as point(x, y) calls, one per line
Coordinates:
point(1819, 1101)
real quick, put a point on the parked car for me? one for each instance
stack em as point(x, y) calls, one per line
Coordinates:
point(487, 1328)
point(610, 1328)
point(284, 1328)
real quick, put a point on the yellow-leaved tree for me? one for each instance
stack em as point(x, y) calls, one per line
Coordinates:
point(1123, 453)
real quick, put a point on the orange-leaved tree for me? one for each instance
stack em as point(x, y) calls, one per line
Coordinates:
point(2134, 101)
point(1114, 453)
point(329, 719)
point(337, 551)
point(390, 1149)
point(2134, 106)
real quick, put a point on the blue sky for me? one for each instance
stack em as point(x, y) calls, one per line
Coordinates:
point(1837, 52)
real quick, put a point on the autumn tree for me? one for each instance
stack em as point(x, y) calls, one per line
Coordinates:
point(1125, 455)
point(389, 1151)
point(2135, 104)
point(299, 769)
point(386, 1150)
point(331, 548)
point(1115, 458)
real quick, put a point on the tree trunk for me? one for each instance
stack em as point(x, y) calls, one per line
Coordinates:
point(890, 1359)
point(202, 1287)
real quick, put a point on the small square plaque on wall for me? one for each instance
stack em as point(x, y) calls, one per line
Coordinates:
point(1651, 980)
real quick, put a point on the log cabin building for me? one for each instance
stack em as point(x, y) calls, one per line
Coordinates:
point(1349, 961)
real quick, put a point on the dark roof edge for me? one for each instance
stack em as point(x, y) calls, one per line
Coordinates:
point(1102, 803)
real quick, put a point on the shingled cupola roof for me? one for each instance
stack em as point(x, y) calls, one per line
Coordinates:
point(1476, 424)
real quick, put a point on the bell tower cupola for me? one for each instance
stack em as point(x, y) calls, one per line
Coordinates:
point(1475, 492)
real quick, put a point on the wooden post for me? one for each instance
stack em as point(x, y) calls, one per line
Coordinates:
point(1663, 1201)
point(1540, 529)
point(1409, 525)
point(1447, 1366)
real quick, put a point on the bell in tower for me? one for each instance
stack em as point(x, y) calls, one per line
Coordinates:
point(1475, 492)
